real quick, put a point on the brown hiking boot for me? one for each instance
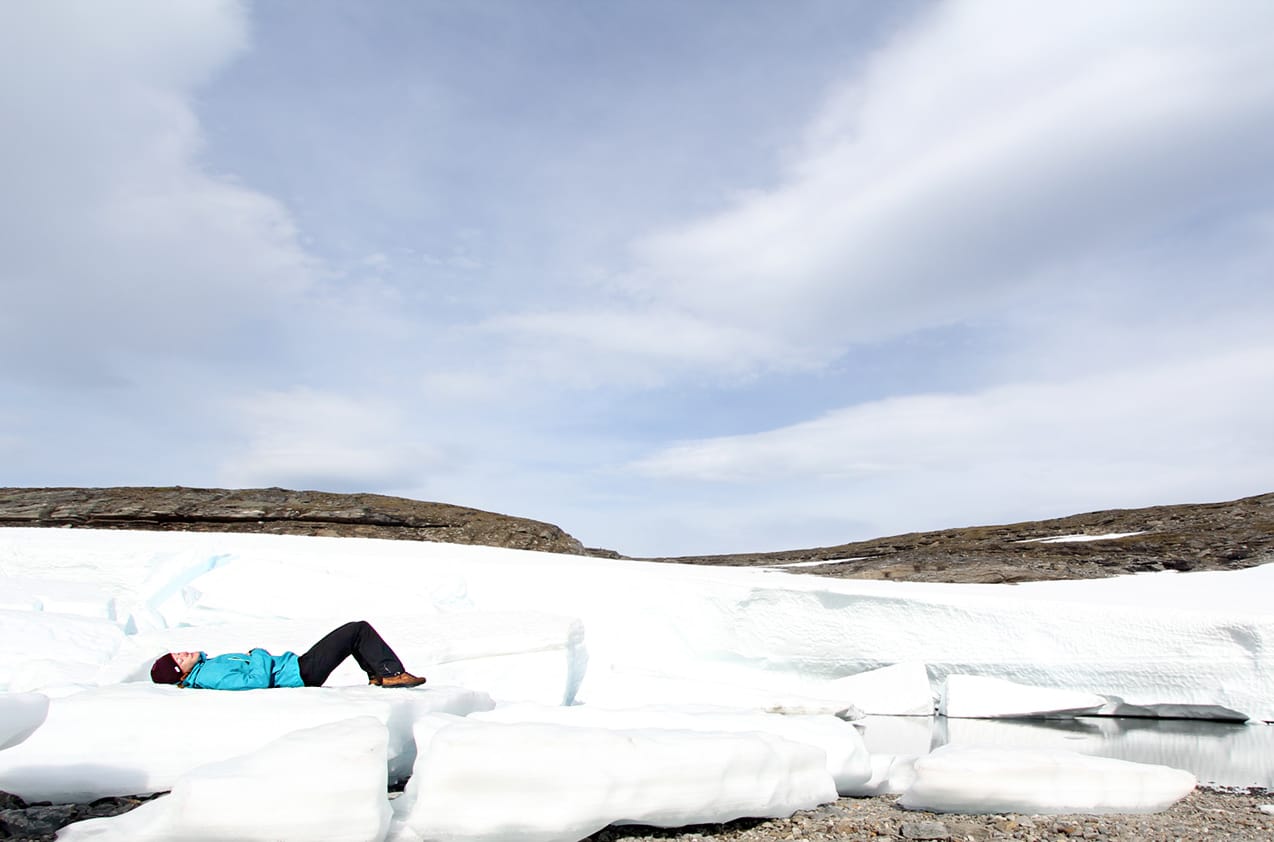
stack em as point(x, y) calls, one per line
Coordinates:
point(403, 679)
point(373, 679)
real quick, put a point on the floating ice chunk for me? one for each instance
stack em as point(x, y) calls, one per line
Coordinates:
point(895, 690)
point(1267, 808)
point(324, 783)
point(39, 648)
point(847, 759)
point(980, 697)
point(1215, 713)
point(984, 780)
point(139, 738)
point(539, 783)
point(20, 715)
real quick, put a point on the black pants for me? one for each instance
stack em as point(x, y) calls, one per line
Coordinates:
point(358, 639)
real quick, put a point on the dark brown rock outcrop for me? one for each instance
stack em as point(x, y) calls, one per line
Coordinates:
point(277, 511)
point(1202, 536)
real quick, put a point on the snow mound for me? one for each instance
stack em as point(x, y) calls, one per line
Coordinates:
point(140, 738)
point(325, 783)
point(897, 690)
point(847, 759)
point(20, 715)
point(479, 781)
point(984, 780)
point(43, 649)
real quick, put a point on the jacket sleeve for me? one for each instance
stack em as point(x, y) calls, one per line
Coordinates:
point(237, 672)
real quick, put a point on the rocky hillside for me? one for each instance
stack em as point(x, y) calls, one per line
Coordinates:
point(279, 512)
point(1204, 536)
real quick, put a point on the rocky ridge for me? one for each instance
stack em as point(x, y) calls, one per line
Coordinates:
point(1199, 536)
point(277, 511)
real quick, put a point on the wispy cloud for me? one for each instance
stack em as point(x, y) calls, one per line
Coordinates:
point(978, 155)
point(986, 159)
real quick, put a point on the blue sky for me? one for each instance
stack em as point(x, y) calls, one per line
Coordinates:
point(679, 278)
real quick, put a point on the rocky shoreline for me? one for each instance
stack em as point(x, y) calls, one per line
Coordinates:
point(1210, 815)
point(39, 822)
point(1206, 815)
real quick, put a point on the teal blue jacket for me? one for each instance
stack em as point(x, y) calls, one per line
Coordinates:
point(254, 671)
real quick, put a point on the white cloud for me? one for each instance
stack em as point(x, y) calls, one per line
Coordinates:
point(1168, 432)
point(644, 347)
point(115, 236)
point(306, 438)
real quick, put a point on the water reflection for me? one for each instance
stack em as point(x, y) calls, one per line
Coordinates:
point(1219, 753)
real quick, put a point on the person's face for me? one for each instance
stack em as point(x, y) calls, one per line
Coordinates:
point(185, 660)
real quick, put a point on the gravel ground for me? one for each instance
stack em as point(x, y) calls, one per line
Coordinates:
point(1206, 814)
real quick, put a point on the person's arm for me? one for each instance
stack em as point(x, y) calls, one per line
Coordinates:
point(235, 672)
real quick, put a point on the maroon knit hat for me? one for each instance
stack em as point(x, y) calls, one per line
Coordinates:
point(165, 670)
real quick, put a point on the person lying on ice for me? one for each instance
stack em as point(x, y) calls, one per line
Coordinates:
point(259, 669)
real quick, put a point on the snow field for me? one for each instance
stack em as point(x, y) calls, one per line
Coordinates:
point(1192, 639)
point(504, 631)
point(522, 655)
point(42, 650)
